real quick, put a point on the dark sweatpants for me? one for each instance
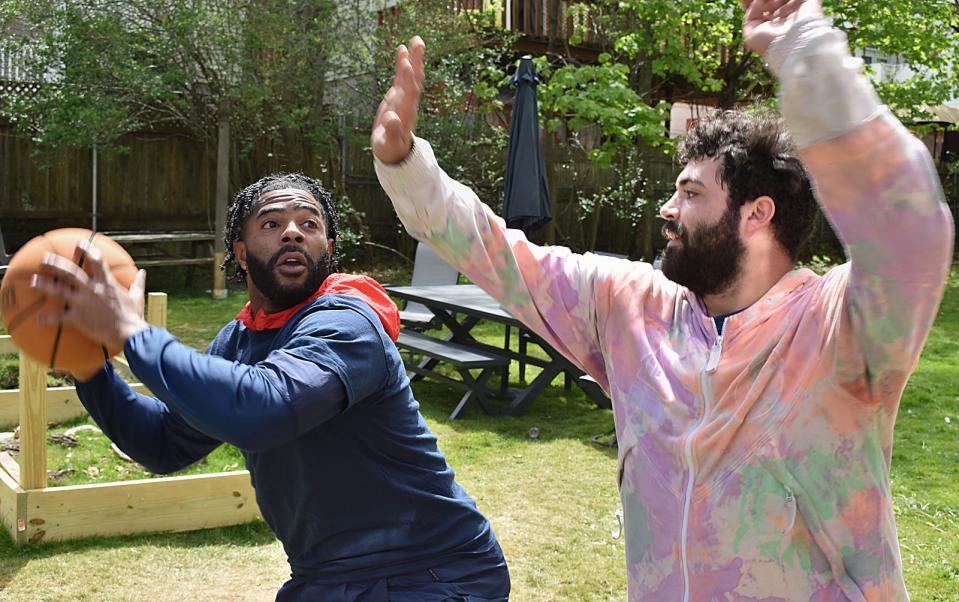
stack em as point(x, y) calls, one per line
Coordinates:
point(482, 579)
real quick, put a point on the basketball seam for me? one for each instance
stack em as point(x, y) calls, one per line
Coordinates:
point(66, 306)
point(25, 313)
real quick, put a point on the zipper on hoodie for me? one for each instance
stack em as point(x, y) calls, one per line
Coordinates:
point(715, 351)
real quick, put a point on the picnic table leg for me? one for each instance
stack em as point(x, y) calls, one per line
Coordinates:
point(459, 333)
point(477, 389)
point(461, 405)
point(426, 364)
point(533, 390)
point(523, 340)
point(594, 392)
point(504, 374)
point(189, 268)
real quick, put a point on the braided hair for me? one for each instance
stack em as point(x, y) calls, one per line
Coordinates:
point(243, 204)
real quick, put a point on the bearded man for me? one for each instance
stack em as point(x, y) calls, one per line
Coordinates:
point(308, 384)
point(754, 402)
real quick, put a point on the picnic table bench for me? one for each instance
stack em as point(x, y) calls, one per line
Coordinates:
point(460, 307)
point(159, 248)
point(461, 358)
point(150, 249)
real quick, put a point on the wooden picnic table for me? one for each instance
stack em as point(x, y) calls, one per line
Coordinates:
point(460, 307)
point(150, 249)
point(162, 248)
point(154, 237)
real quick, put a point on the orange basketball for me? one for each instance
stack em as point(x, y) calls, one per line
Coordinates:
point(60, 346)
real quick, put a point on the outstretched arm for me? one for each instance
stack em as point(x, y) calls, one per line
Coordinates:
point(295, 388)
point(878, 187)
point(395, 123)
point(550, 290)
point(335, 358)
point(143, 427)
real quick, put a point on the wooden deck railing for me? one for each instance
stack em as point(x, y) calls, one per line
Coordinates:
point(532, 18)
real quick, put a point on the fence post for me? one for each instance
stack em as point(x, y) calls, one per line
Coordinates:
point(33, 424)
point(156, 309)
point(222, 198)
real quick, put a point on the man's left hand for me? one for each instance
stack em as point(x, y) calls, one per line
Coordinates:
point(767, 20)
point(395, 123)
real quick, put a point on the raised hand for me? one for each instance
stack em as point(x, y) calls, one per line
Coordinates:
point(766, 20)
point(99, 306)
point(392, 136)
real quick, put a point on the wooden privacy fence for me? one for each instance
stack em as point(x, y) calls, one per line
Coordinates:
point(32, 512)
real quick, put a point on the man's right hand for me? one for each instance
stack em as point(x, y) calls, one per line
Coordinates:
point(99, 306)
point(392, 136)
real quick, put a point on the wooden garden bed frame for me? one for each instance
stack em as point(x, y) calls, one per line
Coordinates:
point(32, 512)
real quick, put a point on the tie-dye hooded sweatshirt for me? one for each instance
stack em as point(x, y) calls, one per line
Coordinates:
point(752, 465)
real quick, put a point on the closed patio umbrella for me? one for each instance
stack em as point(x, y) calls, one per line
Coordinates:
point(526, 204)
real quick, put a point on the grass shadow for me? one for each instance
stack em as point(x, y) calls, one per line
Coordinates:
point(556, 415)
point(14, 559)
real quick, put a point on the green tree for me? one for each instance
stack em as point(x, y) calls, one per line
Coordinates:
point(655, 52)
point(253, 74)
point(921, 36)
point(465, 57)
point(119, 67)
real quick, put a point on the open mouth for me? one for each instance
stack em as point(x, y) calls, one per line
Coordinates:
point(291, 264)
point(671, 236)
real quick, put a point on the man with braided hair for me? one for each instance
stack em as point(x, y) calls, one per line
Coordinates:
point(308, 384)
point(243, 203)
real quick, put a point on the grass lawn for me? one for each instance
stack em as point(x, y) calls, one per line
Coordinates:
point(552, 500)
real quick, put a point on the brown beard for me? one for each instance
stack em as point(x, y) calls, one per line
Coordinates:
point(709, 259)
point(263, 275)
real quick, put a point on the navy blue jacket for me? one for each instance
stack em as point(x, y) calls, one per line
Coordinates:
point(346, 472)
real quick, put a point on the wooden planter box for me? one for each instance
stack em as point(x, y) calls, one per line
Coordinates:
point(32, 512)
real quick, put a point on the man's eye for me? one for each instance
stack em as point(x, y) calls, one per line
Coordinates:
point(269, 224)
point(690, 193)
point(310, 223)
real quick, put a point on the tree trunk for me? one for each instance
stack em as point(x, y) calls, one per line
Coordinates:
point(733, 72)
point(548, 231)
point(549, 148)
point(642, 82)
point(594, 227)
point(647, 227)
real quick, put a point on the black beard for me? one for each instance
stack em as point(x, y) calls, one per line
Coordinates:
point(708, 260)
point(263, 275)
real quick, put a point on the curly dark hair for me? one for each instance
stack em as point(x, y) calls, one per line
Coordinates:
point(243, 204)
point(757, 157)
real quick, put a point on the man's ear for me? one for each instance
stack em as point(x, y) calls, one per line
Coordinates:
point(759, 213)
point(239, 252)
point(330, 246)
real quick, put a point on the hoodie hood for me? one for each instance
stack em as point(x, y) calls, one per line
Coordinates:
point(361, 287)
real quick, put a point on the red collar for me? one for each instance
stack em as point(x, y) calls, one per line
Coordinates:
point(265, 321)
point(360, 287)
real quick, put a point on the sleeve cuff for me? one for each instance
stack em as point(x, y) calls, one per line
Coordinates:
point(793, 40)
point(418, 160)
point(415, 187)
point(823, 90)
